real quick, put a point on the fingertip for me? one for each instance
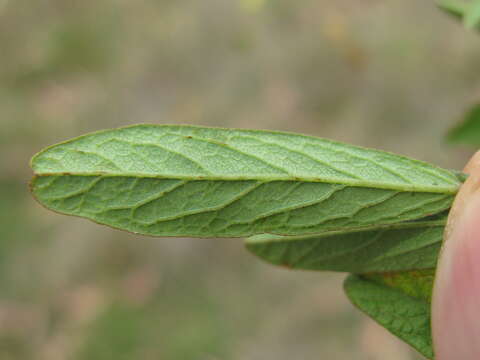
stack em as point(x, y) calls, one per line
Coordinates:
point(466, 191)
point(456, 293)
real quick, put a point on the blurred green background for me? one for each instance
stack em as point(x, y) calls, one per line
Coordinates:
point(394, 75)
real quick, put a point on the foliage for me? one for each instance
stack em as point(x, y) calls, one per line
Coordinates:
point(468, 131)
point(466, 11)
point(308, 203)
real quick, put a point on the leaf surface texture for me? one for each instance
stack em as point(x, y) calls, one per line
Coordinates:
point(405, 316)
point(399, 247)
point(211, 182)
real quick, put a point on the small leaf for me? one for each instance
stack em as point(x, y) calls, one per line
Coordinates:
point(212, 182)
point(453, 7)
point(398, 247)
point(468, 131)
point(471, 19)
point(405, 316)
point(467, 12)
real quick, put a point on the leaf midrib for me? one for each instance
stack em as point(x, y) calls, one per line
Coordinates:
point(265, 179)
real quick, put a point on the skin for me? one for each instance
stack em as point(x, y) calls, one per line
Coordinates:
point(456, 293)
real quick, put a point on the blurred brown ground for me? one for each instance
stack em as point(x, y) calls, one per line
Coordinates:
point(393, 75)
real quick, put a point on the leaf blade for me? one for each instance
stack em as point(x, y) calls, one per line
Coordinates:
point(404, 316)
point(256, 182)
point(399, 247)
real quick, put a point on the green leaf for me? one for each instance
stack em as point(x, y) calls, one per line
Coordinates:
point(467, 12)
point(212, 182)
point(398, 247)
point(471, 19)
point(453, 7)
point(405, 316)
point(467, 132)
